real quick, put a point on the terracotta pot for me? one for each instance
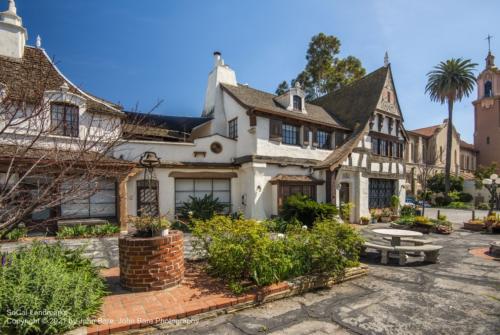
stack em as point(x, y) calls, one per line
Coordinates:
point(474, 226)
point(385, 219)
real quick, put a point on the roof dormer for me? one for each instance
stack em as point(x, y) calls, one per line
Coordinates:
point(293, 100)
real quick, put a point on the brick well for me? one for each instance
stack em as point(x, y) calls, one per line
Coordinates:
point(154, 263)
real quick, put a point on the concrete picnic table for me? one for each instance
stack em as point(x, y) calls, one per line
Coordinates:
point(397, 234)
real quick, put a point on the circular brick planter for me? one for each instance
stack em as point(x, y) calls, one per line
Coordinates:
point(154, 263)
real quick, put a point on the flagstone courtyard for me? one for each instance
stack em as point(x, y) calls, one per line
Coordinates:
point(459, 295)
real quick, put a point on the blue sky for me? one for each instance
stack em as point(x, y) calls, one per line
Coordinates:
point(140, 51)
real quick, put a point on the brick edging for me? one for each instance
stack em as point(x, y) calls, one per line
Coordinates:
point(233, 304)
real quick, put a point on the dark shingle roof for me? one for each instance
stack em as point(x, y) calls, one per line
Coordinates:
point(354, 104)
point(28, 78)
point(183, 124)
point(266, 102)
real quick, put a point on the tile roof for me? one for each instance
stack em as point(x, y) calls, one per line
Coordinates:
point(427, 131)
point(266, 102)
point(28, 78)
point(354, 104)
point(466, 145)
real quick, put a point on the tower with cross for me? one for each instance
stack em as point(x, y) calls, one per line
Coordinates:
point(487, 112)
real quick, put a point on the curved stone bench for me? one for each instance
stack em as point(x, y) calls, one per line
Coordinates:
point(431, 252)
point(384, 250)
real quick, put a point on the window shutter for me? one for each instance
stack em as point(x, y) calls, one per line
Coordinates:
point(275, 129)
point(306, 135)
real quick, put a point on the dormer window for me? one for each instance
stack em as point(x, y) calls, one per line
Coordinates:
point(64, 119)
point(297, 103)
point(488, 89)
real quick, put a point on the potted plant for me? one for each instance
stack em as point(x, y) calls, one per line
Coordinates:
point(386, 215)
point(474, 225)
point(365, 220)
point(395, 207)
point(145, 254)
point(373, 214)
point(149, 226)
point(422, 224)
point(492, 223)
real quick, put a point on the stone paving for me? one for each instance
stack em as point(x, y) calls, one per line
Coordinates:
point(460, 295)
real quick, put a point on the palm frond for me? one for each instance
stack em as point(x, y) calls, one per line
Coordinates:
point(451, 80)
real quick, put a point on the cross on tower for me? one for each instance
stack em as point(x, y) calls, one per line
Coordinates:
point(489, 37)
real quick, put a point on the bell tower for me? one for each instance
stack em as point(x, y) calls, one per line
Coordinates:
point(487, 113)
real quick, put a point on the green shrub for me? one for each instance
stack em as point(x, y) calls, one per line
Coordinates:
point(483, 206)
point(16, 234)
point(242, 251)
point(47, 289)
point(465, 197)
point(185, 227)
point(436, 183)
point(331, 247)
point(441, 201)
point(305, 210)
point(458, 205)
point(202, 208)
point(280, 225)
point(408, 210)
point(345, 211)
point(79, 231)
point(406, 220)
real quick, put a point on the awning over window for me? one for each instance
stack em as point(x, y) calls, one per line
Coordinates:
point(295, 179)
point(203, 175)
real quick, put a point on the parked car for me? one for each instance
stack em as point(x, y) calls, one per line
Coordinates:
point(410, 201)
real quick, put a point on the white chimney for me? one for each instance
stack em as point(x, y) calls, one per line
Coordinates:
point(220, 74)
point(13, 36)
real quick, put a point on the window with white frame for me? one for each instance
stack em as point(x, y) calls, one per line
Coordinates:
point(323, 139)
point(233, 128)
point(102, 202)
point(198, 188)
point(64, 119)
point(290, 134)
point(297, 103)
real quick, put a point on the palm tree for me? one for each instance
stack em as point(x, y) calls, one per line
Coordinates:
point(448, 82)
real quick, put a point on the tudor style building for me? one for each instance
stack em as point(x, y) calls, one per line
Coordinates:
point(250, 149)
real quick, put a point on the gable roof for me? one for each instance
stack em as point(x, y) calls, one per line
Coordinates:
point(354, 104)
point(427, 131)
point(266, 102)
point(28, 78)
point(466, 145)
point(178, 123)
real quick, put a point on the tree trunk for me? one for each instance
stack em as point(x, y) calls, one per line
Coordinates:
point(449, 138)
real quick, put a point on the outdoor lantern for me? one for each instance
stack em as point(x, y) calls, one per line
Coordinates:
point(149, 159)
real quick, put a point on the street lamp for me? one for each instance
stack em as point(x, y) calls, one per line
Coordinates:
point(491, 185)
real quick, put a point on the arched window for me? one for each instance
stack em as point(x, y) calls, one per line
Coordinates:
point(297, 102)
point(487, 140)
point(441, 154)
point(488, 89)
